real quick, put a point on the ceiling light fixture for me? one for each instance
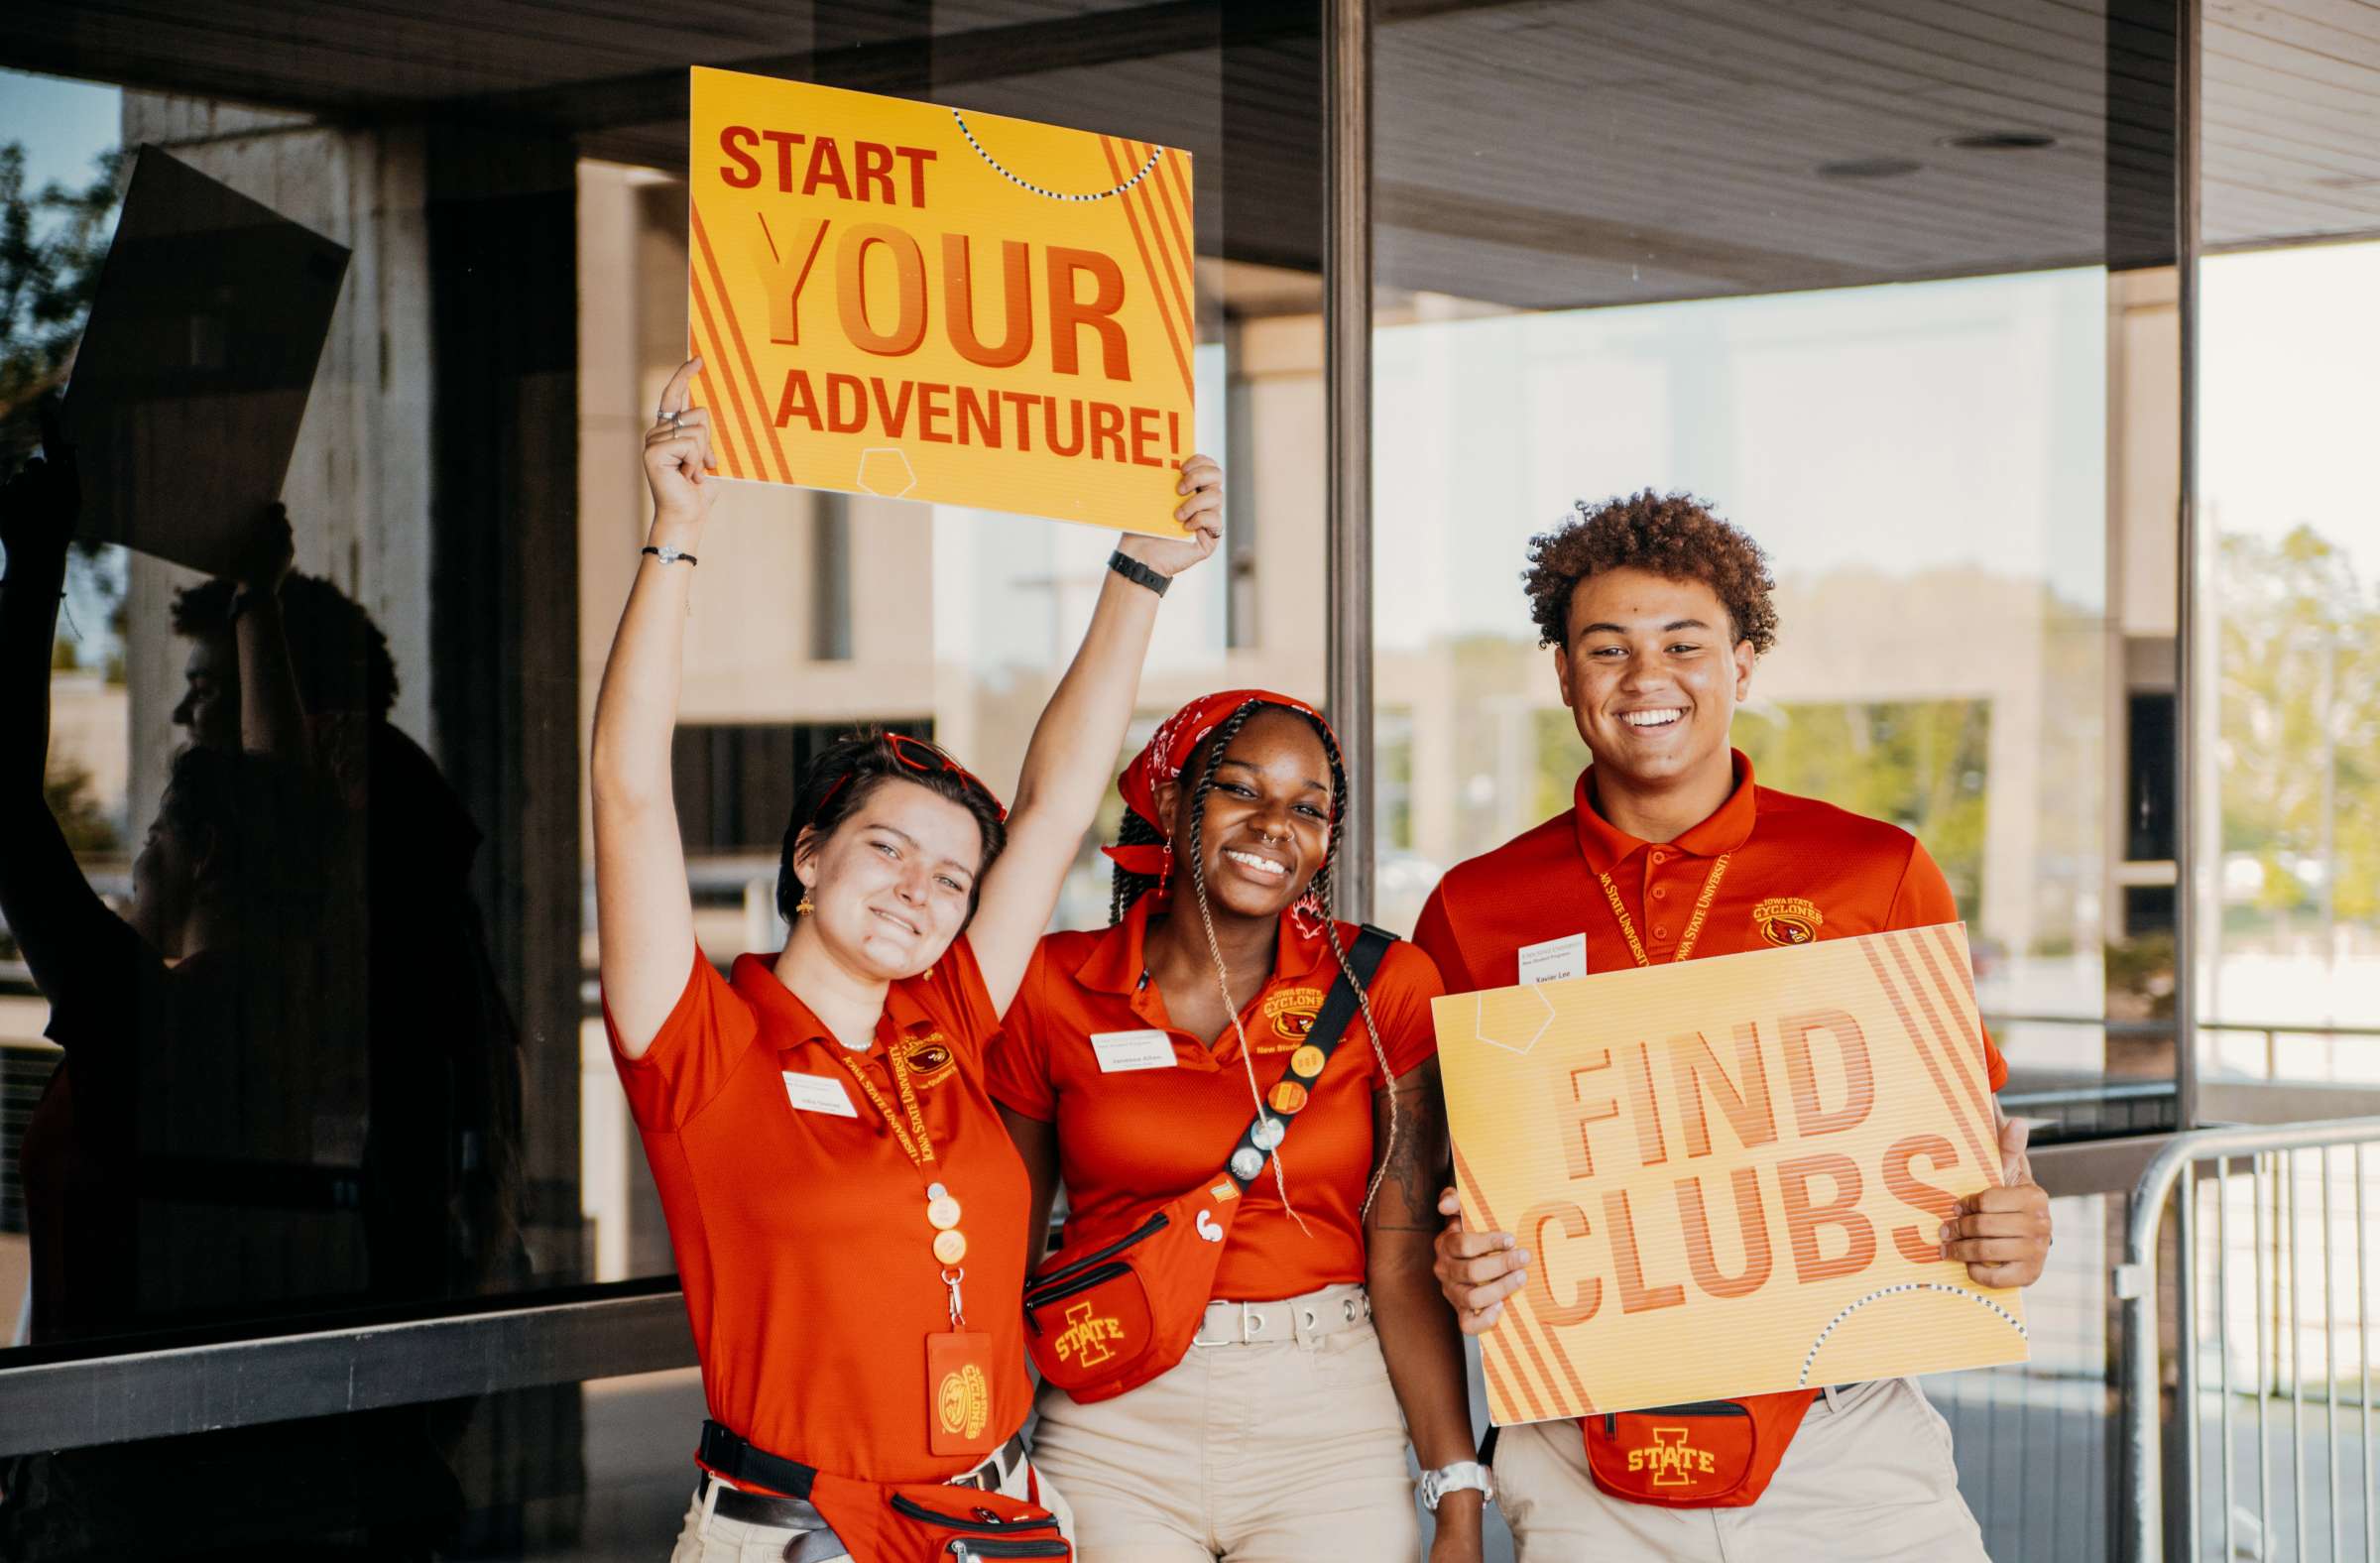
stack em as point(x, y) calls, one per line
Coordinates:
point(1868, 169)
point(2001, 141)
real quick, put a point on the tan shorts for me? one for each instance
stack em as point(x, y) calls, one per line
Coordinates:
point(1868, 1479)
point(1286, 1452)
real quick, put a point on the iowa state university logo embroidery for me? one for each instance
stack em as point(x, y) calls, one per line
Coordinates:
point(1672, 1461)
point(929, 1059)
point(1088, 1340)
point(963, 1401)
point(1293, 1012)
point(1787, 919)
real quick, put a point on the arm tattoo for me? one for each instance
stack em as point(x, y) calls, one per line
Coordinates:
point(1417, 1164)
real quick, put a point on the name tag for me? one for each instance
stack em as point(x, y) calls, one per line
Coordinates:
point(1553, 960)
point(1121, 1051)
point(817, 1094)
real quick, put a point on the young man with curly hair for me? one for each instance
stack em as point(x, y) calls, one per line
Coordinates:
point(1656, 612)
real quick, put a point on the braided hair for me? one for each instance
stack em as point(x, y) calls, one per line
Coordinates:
point(1128, 888)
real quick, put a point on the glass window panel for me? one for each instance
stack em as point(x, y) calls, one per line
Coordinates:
point(431, 1119)
point(1895, 298)
point(2288, 595)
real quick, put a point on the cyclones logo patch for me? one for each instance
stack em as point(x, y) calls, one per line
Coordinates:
point(1787, 919)
point(963, 1401)
point(929, 1059)
point(1293, 1012)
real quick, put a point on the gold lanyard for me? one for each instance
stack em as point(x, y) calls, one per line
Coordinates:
point(942, 1210)
point(1694, 928)
point(920, 1149)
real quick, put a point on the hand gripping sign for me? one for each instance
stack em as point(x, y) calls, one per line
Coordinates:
point(1731, 1172)
point(921, 303)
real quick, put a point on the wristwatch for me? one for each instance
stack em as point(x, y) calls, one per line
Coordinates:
point(1462, 1476)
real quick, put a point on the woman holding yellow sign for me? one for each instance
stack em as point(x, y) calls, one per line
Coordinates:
point(825, 1105)
point(1242, 1324)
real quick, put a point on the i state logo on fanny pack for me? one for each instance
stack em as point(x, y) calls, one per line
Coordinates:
point(1787, 919)
point(1672, 1460)
point(1088, 1339)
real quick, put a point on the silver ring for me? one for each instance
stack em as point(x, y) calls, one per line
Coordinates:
point(675, 427)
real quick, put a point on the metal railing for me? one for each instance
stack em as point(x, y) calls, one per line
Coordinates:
point(2273, 1324)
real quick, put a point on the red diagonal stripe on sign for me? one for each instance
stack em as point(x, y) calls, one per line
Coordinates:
point(1945, 1032)
point(735, 328)
point(1180, 262)
point(1917, 1039)
point(1957, 989)
point(1526, 1325)
point(725, 370)
point(731, 435)
point(1157, 286)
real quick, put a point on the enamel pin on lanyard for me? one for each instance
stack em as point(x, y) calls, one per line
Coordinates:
point(958, 1362)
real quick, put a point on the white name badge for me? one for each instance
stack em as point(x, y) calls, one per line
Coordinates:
point(1121, 1051)
point(817, 1094)
point(1553, 960)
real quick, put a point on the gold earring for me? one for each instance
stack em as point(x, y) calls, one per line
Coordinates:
point(805, 907)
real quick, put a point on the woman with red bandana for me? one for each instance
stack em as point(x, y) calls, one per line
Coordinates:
point(1174, 1052)
point(847, 1215)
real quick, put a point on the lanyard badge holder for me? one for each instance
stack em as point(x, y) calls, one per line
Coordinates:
point(958, 1361)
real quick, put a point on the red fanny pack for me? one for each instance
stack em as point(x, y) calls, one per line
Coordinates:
point(1100, 1321)
point(928, 1523)
point(1713, 1454)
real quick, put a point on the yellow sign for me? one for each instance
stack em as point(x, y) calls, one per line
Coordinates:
point(1731, 1173)
point(897, 298)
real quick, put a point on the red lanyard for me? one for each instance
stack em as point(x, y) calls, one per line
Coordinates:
point(1694, 928)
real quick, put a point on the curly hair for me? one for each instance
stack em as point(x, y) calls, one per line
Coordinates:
point(867, 760)
point(338, 653)
point(1670, 534)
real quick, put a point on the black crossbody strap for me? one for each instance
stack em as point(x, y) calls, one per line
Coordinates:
point(1251, 1152)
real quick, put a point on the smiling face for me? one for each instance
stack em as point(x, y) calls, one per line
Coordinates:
point(1652, 675)
point(893, 885)
point(1267, 829)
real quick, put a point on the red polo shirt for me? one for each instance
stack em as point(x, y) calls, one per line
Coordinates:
point(1132, 1138)
point(800, 1230)
point(1797, 870)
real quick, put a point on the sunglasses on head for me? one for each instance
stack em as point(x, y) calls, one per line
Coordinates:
point(921, 756)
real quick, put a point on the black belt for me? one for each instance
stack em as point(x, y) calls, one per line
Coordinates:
point(738, 1460)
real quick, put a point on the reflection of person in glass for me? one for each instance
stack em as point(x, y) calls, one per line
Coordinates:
point(847, 1212)
point(1222, 944)
point(1656, 611)
point(195, 1155)
point(285, 662)
point(208, 999)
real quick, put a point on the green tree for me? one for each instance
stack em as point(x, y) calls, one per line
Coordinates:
point(2298, 731)
point(51, 242)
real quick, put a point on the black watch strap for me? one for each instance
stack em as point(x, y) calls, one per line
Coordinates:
point(1133, 570)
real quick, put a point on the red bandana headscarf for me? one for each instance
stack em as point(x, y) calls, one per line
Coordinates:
point(1167, 752)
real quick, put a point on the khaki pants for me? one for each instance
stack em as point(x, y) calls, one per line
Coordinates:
point(1868, 1479)
point(711, 1537)
point(1288, 1452)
